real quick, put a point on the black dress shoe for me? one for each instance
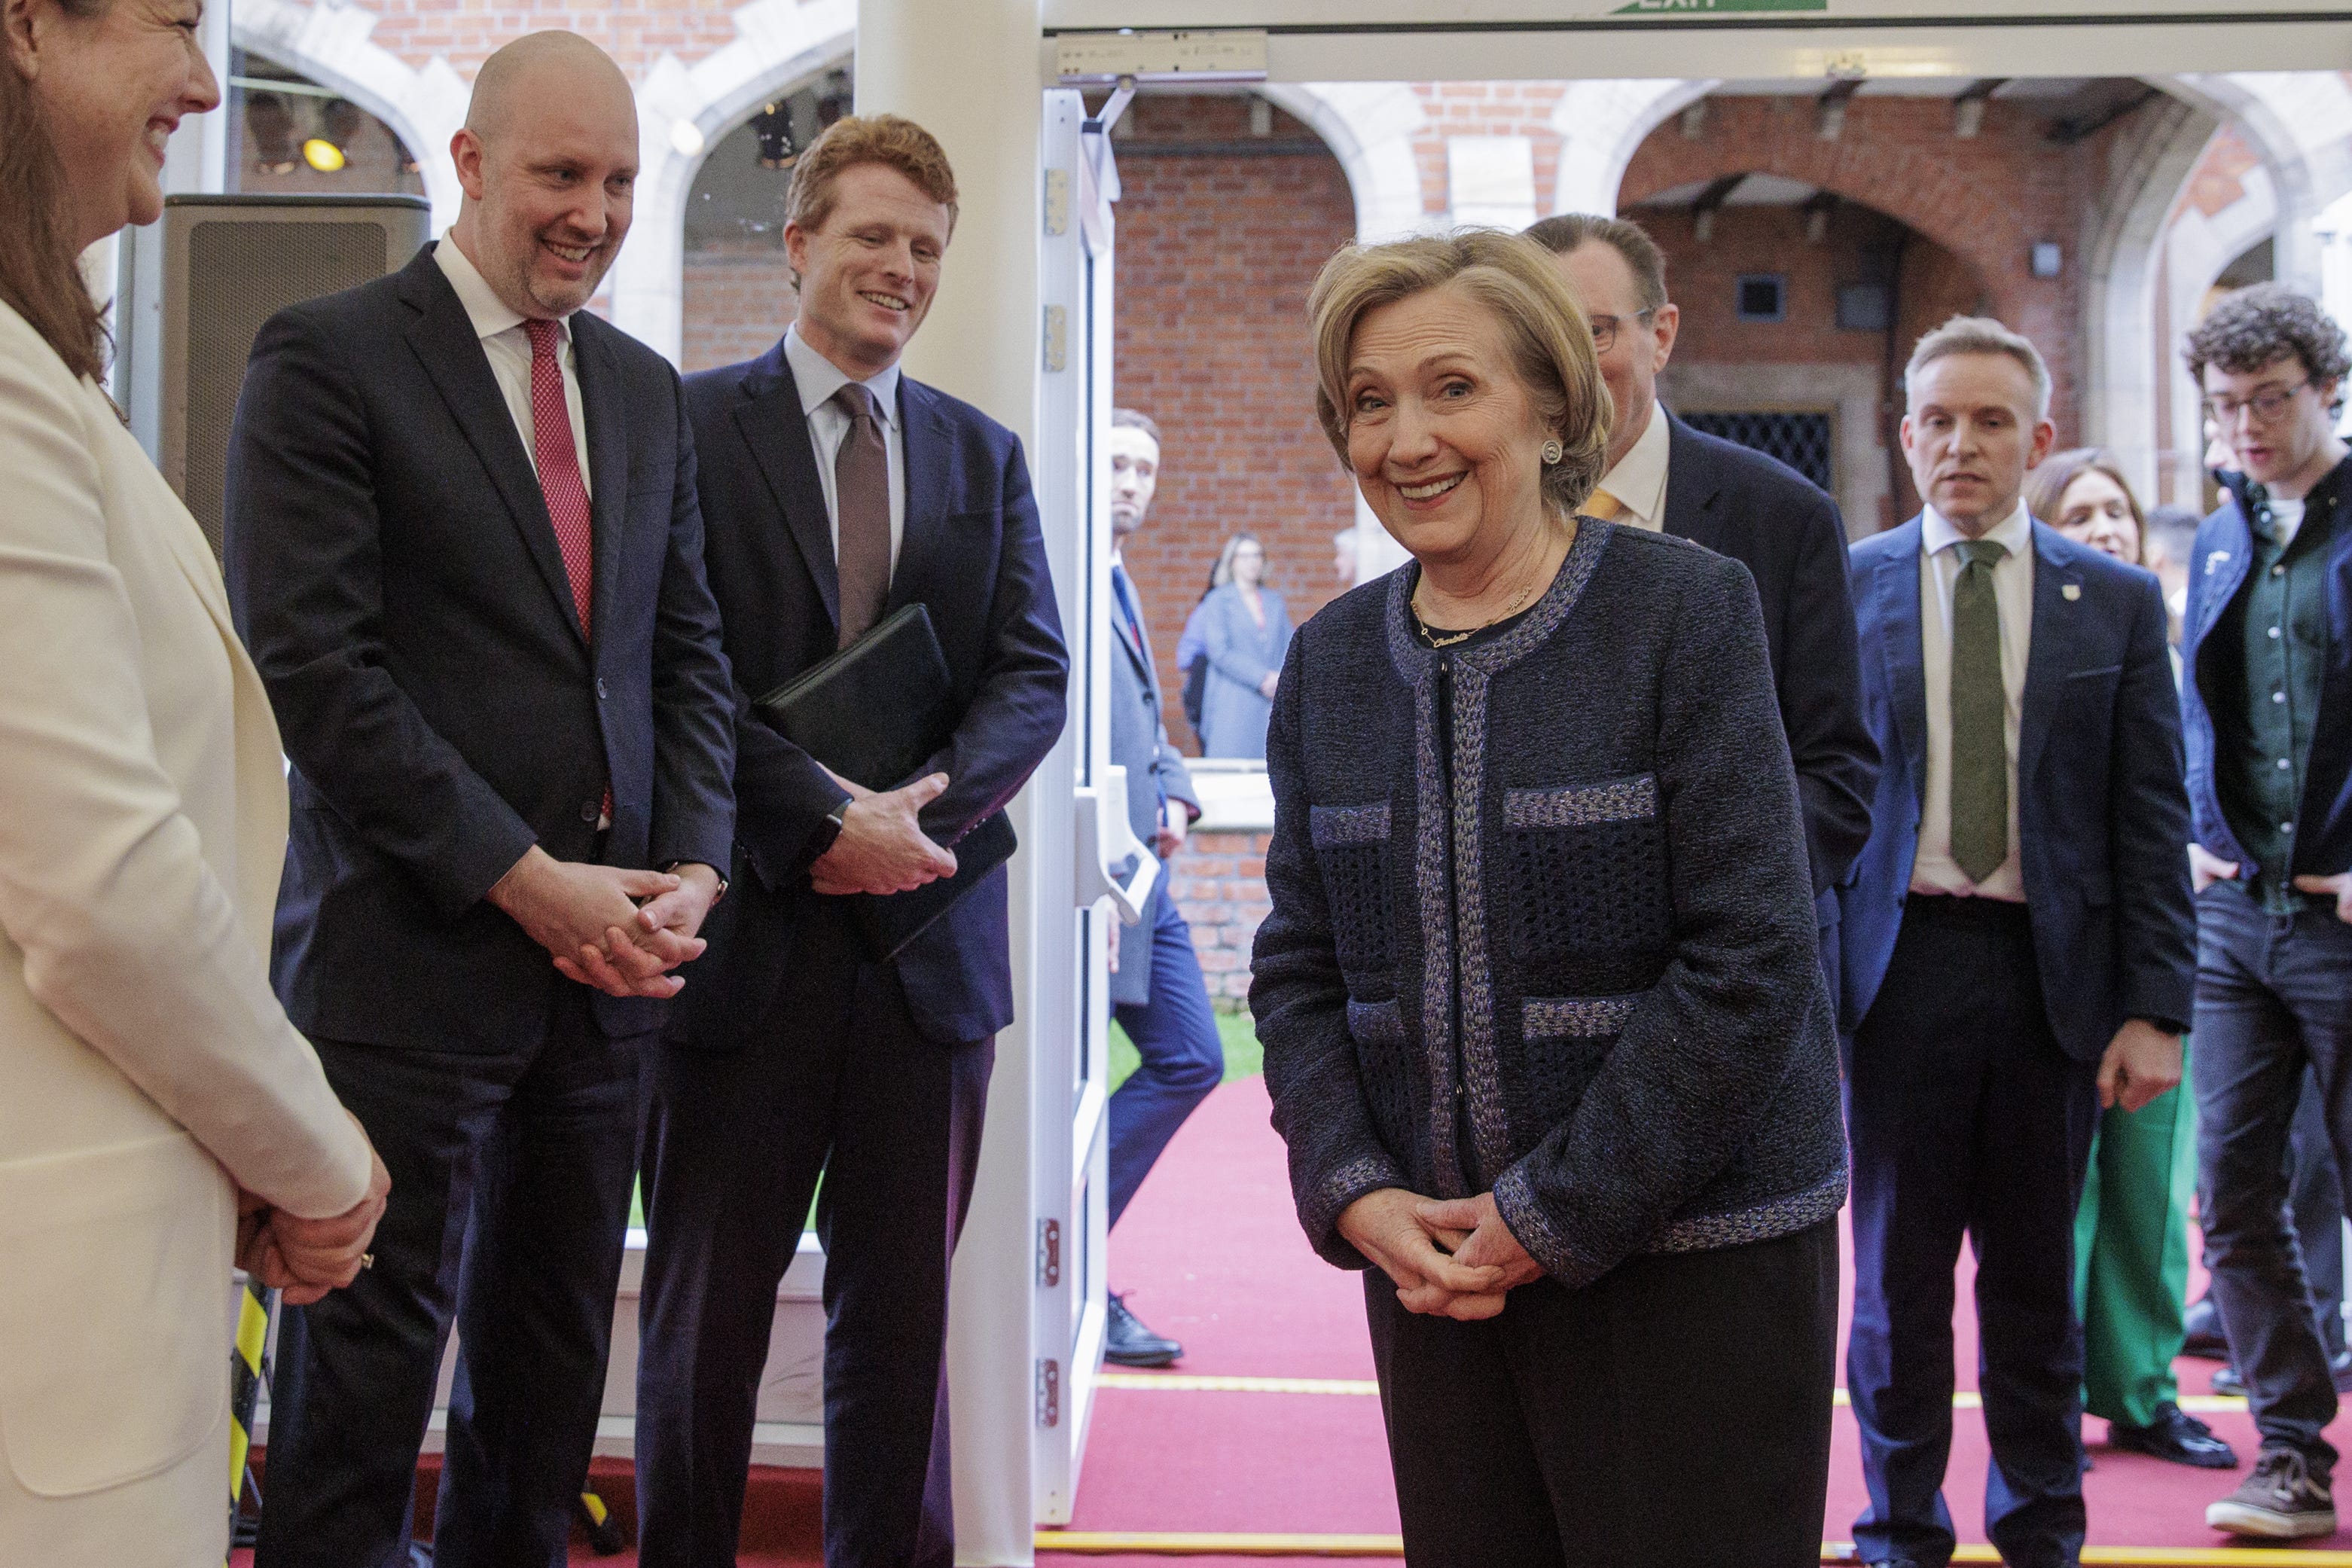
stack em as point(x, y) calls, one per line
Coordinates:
point(1128, 1343)
point(2203, 1321)
point(2226, 1381)
point(2177, 1437)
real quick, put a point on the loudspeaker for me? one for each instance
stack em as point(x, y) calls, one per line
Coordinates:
point(230, 263)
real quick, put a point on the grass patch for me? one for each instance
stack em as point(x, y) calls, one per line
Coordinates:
point(1245, 1058)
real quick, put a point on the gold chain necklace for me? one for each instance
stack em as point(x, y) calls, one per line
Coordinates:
point(1433, 640)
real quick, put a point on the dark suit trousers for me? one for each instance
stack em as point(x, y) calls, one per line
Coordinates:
point(834, 1078)
point(2274, 1011)
point(509, 1203)
point(1967, 1119)
point(1675, 1411)
point(1175, 1032)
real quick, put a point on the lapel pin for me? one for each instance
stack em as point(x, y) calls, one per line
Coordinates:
point(2071, 591)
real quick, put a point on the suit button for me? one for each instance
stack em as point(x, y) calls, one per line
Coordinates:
point(591, 812)
point(600, 688)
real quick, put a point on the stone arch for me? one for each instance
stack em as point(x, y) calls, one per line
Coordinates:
point(1601, 125)
point(777, 43)
point(1370, 128)
point(331, 44)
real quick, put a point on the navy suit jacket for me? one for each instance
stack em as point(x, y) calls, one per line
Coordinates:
point(394, 571)
point(972, 553)
point(1140, 743)
point(2101, 814)
point(2323, 833)
point(1786, 532)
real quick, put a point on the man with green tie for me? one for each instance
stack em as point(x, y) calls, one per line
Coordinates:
point(2017, 946)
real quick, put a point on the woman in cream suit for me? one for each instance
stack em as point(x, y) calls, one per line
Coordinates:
point(151, 1088)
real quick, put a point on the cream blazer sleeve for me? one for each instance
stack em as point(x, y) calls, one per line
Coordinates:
point(143, 822)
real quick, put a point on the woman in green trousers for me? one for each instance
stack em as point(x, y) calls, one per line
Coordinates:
point(2131, 1233)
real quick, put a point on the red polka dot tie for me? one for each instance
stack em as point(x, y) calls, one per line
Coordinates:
point(559, 464)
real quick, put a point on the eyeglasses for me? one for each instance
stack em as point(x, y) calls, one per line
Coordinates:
point(1604, 329)
point(2268, 405)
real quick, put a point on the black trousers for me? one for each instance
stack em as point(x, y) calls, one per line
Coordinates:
point(509, 1206)
point(1677, 1411)
point(1967, 1119)
point(837, 1079)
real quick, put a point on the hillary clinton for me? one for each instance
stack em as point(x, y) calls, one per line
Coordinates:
point(1544, 1022)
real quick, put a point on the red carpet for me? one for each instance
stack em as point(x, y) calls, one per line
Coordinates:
point(1214, 1257)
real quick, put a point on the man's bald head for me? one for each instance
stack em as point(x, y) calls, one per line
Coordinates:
point(539, 69)
point(548, 161)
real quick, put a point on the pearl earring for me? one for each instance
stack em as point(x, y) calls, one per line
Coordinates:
point(1553, 452)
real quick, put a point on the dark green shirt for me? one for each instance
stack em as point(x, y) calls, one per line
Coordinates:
point(2271, 645)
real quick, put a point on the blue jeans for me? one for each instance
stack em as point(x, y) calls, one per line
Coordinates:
point(1184, 1057)
point(2274, 998)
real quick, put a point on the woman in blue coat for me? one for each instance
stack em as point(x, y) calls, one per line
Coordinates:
point(1246, 628)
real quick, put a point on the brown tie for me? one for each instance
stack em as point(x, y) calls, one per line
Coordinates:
point(861, 492)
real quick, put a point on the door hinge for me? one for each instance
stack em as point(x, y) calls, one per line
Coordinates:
point(1049, 1252)
point(1058, 337)
point(1049, 1393)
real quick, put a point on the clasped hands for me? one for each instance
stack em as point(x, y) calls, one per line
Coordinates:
point(306, 1259)
point(617, 930)
point(1448, 1257)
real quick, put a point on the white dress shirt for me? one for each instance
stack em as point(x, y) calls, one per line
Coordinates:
point(1935, 871)
point(818, 379)
point(1639, 480)
point(508, 347)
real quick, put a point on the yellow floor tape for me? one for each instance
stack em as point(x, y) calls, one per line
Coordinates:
point(1196, 1544)
point(1187, 1382)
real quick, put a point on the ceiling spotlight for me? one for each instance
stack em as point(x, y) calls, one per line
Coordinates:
point(323, 155)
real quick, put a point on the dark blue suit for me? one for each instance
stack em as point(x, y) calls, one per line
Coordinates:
point(396, 575)
point(795, 1053)
point(1977, 1027)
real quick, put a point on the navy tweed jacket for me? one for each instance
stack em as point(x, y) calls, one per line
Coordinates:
point(1571, 956)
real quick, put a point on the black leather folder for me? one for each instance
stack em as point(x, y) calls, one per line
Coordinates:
point(875, 713)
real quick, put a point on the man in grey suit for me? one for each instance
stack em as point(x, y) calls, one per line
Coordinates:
point(1156, 989)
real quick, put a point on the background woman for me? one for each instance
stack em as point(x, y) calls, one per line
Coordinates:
point(1245, 631)
point(151, 1088)
point(2131, 1233)
point(1544, 1024)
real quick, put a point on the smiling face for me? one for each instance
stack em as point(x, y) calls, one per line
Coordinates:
point(1971, 433)
point(111, 88)
point(2095, 511)
point(1443, 435)
point(549, 163)
point(1134, 478)
point(868, 271)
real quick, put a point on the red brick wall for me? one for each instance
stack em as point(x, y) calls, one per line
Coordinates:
point(1218, 881)
point(635, 32)
point(1215, 255)
point(736, 305)
point(1986, 199)
point(1487, 108)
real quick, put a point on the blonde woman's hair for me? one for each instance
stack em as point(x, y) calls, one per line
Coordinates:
point(1548, 339)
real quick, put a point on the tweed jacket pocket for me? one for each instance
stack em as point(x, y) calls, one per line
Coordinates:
point(1584, 875)
point(1386, 1066)
point(1563, 1040)
point(1351, 846)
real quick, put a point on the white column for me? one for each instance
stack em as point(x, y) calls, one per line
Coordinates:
point(971, 72)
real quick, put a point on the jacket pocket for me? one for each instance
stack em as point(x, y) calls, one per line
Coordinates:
point(114, 1291)
point(1386, 1070)
point(1563, 1041)
point(1352, 849)
point(1584, 874)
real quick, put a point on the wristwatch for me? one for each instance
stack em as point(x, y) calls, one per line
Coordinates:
point(823, 835)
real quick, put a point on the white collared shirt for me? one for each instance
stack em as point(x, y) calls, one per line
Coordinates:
point(1639, 480)
point(508, 347)
point(1935, 871)
point(818, 379)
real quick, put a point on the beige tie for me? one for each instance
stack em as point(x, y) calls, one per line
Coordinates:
point(1604, 506)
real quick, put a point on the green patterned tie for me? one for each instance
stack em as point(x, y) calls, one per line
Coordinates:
point(1979, 716)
